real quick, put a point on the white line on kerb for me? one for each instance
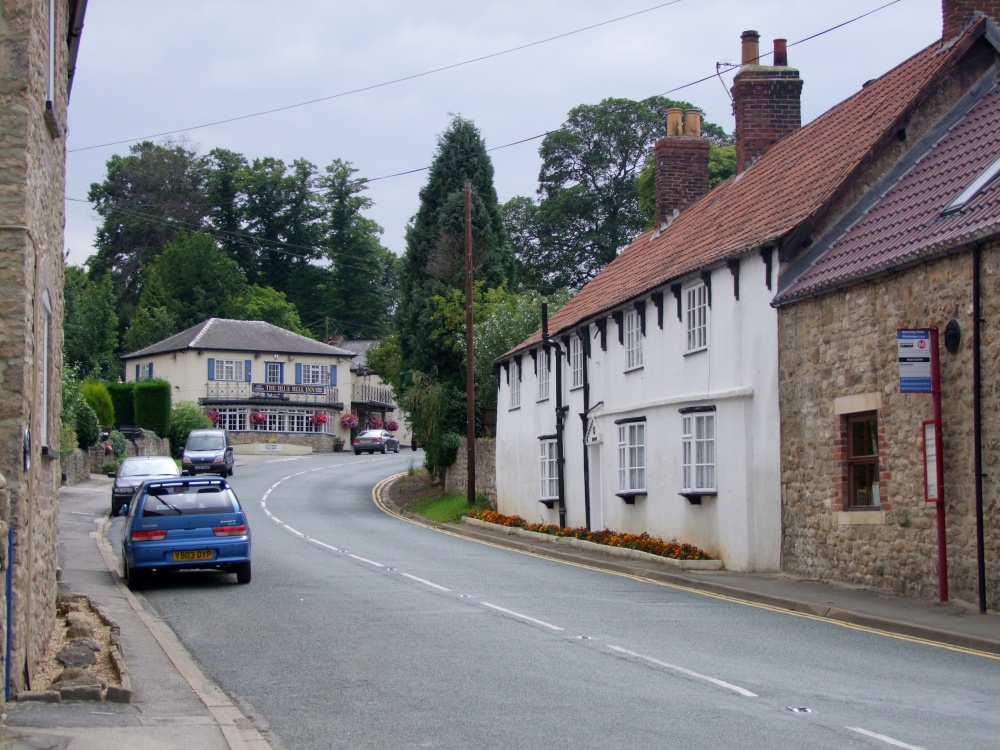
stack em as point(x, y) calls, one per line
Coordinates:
point(719, 683)
point(519, 616)
point(365, 560)
point(426, 583)
point(883, 738)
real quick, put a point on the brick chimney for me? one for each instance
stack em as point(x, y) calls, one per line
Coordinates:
point(957, 14)
point(766, 100)
point(681, 165)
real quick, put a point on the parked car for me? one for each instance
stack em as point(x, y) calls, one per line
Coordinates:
point(182, 524)
point(133, 471)
point(208, 452)
point(375, 440)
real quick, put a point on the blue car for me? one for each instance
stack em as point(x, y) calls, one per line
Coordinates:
point(182, 524)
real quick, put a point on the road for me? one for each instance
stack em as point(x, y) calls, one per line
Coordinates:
point(361, 630)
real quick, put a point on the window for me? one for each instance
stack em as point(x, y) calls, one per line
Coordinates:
point(44, 364)
point(145, 371)
point(699, 452)
point(229, 369)
point(696, 317)
point(315, 374)
point(272, 373)
point(633, 340)
point(550, 474)
point(233, 419)
point(515, 385)
point(862, 461)
point(576, 361)
point(632, 457)
point(543, 375)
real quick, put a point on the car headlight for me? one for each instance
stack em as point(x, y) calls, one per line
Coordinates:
point(219, 459)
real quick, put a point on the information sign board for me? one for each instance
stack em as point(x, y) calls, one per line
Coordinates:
point(913, 346)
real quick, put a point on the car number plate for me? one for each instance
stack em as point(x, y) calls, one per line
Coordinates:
point(193, 554)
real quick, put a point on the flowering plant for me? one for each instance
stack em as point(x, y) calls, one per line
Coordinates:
point(349, 421)
point(214, 416)
point(377, 423)
point(392, 425)
point(258, 417)
point(319, 418)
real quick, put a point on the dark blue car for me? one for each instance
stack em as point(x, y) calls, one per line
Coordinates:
point(182, 524)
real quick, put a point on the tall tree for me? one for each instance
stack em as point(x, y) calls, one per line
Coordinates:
point(588, 207)
point(90, 325)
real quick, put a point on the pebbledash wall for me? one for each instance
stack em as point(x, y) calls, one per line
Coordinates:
point(32, 187)
point(838, 354)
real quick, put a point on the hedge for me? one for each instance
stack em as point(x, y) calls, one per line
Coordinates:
point(152, 405)
point(95, 393)
point(123, 399)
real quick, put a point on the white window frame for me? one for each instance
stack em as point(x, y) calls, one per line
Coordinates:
point(272, 373)
point(632, 457)
point(315, 374)
point(576, 361)
point(699, 452)
point(543, 375)
point(515, 385)
point(144, 371)
point(230, 370)
point(633, 340)
point(549, 486)
point(696, 317)
point(45, 364)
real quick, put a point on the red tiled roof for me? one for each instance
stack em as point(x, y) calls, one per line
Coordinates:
point(794, 182)
point(906, 223)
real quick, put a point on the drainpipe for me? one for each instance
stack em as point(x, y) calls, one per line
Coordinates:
point(977, 430)
point(10, 608)
point(584, 352)
point(549, 343)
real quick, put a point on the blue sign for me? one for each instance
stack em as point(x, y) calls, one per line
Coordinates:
point(914, 350)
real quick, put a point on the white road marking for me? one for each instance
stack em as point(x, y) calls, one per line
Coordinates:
point(883, 738)
point(719, 683)
point(294, 531)
point(365, 560)
point(318, 543)
point(426, 583)
point(519, 616)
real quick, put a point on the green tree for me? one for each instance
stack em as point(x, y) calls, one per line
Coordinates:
point(148, 326)
point(95, 393)
point(588, 207)
point(90, 325)
point(271, 306)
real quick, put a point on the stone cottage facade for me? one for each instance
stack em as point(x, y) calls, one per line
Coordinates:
point(38, 55)
point(919, 248)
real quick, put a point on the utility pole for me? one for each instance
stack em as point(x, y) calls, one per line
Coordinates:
point(470, 385)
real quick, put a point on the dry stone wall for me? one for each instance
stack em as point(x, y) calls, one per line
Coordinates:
point(457, 476)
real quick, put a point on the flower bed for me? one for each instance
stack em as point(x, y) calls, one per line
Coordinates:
point(641, 542)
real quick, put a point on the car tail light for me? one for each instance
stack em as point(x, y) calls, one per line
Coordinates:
point(157, 535)
point(230, 530)
point(378, 440)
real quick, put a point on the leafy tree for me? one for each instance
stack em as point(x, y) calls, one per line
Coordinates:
point(148, 326)
point(226, 206)
point(588, 207)
point(270, 305)
point(88, 427)
point(95, 393)
point(90, 325)
point(383, 357)
point(185, 417)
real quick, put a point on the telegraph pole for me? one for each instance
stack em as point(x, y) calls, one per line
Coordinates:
point(470, 385)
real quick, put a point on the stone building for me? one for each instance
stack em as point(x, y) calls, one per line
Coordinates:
point(38, 48)
point(915, 246)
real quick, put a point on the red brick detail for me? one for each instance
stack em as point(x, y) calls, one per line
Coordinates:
point(957, 14)
point(767, 105)
point(681, 174)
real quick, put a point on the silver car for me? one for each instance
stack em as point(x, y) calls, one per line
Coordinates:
point(133, 472)
point(382, 441)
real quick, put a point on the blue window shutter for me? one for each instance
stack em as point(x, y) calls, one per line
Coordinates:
point(281, 372)
point(298, 373)
point(151, 370)
point(211, 368)
point(137, 373)
point(246, 370)
point(333, 374)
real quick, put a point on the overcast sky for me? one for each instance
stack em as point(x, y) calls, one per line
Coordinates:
point(145, 68)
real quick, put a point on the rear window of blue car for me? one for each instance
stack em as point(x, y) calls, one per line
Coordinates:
point(187, 500)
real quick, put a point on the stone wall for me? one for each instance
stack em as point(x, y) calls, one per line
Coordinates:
point(456, 479)
point(840, 350)
point(319, 442)
point(75, 466)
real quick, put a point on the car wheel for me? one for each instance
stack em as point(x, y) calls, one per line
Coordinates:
point(396, 449)
point(115, 507)
point(136, 579)
point(243, 572)
point(383, 449)
point(357, 453)
point(231, 470)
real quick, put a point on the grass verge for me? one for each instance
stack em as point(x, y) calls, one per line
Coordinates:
point(447, 508)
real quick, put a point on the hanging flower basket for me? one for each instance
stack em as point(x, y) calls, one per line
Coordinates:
point(377, 423)
point(392, 425)
point(349, 421)
point(319, 418)
point(258, 418)
point(214, 416)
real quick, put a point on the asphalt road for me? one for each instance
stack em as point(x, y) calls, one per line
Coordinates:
point(361, 630)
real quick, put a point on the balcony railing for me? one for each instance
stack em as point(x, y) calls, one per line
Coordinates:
point(368, 393)
point(221, 390)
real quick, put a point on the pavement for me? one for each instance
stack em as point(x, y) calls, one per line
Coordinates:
point(175, 705)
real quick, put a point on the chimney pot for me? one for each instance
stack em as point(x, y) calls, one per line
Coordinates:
point(751, 47)
point(692, 122)
point(674, 119)
point(781, 52)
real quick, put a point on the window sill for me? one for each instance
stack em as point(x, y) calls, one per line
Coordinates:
point(695, 351)
point(549, 502)
point(630, 496)
point(694, 496)
point(576, 387)
point(871, 516)
point(514, 408)
point(50, 453)
point(634, 369)
point(542, 400)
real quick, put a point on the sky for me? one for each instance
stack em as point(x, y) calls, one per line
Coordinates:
point(146, 68)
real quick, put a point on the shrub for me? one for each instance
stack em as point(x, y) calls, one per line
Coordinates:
point(88, 430)
point(184, 418)
point(123, 402)
point(109, 466)
point(67, 439)
point(152, 405)
point(119, 443)
point(440, 453)
point(96, 394)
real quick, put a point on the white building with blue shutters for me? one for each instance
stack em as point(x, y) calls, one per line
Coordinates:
point(257, 378)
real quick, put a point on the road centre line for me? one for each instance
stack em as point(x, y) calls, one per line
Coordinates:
point(681, 670)
point(324, 545)
point(426, 583)
point(883, 738)
point(365, 560)
point(519, 616)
